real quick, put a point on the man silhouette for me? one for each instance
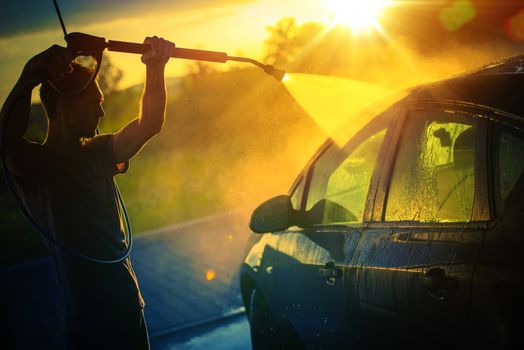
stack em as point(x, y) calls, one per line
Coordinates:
point(67, 186)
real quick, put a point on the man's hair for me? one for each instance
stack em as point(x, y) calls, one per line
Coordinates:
point(72, 82)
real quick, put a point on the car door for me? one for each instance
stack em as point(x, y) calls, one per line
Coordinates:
point(312, 269)
point(498, 284)
point(418, 256)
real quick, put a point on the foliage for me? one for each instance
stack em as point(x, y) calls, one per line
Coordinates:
point(286, 38)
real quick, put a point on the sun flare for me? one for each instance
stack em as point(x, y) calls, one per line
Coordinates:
point(358, 14)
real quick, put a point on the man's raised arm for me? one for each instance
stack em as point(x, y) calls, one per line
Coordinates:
point(130, 139)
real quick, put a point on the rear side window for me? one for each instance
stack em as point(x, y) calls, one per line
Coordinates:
point(434, 173)
point(510, 163)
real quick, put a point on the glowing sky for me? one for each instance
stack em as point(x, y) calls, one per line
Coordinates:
point(232, 26)
point(238, 27)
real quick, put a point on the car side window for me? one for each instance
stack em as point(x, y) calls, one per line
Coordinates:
point(433, 178)
point(510, 163)
point(340, 181)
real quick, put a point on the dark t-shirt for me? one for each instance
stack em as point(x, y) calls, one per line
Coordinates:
point(75, 201)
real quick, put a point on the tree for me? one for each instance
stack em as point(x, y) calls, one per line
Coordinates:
point(286, 38)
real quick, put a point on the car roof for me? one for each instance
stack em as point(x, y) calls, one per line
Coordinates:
point(498, 86)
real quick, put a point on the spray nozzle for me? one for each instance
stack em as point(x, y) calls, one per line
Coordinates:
point(278, 74)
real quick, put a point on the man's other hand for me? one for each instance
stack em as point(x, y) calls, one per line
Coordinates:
point(160, 52)
point(52, 64)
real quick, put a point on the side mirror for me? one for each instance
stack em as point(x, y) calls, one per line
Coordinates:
point(276, 214)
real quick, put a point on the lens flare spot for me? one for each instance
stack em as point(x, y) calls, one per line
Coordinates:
point(514, 26)
point(230, 237)
point(457, 15)
point(210, 275)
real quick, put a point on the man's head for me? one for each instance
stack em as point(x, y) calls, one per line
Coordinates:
point(79, 113)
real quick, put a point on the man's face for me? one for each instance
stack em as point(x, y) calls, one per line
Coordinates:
point(85, 111)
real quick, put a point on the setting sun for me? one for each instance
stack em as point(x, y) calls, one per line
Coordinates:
point(358, 14)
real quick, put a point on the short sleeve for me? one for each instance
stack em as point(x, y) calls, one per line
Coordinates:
point(103, 146)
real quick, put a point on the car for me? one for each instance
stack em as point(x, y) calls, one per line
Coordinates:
point(408, 235)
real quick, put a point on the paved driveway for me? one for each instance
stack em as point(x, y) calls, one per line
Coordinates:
point(187, 275)
point(231, 333)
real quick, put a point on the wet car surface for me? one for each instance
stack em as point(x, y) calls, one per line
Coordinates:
point(408, 235)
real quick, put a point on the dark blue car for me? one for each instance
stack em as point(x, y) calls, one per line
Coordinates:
point(409, 235)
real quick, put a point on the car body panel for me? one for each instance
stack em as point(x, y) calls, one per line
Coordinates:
point(309, 298)
point(394, 306)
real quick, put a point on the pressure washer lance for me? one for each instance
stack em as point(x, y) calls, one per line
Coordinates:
point(191, 54)
point(81, 42)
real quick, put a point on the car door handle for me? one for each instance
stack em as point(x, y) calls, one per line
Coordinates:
point(436, 281)
point(330, 272)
